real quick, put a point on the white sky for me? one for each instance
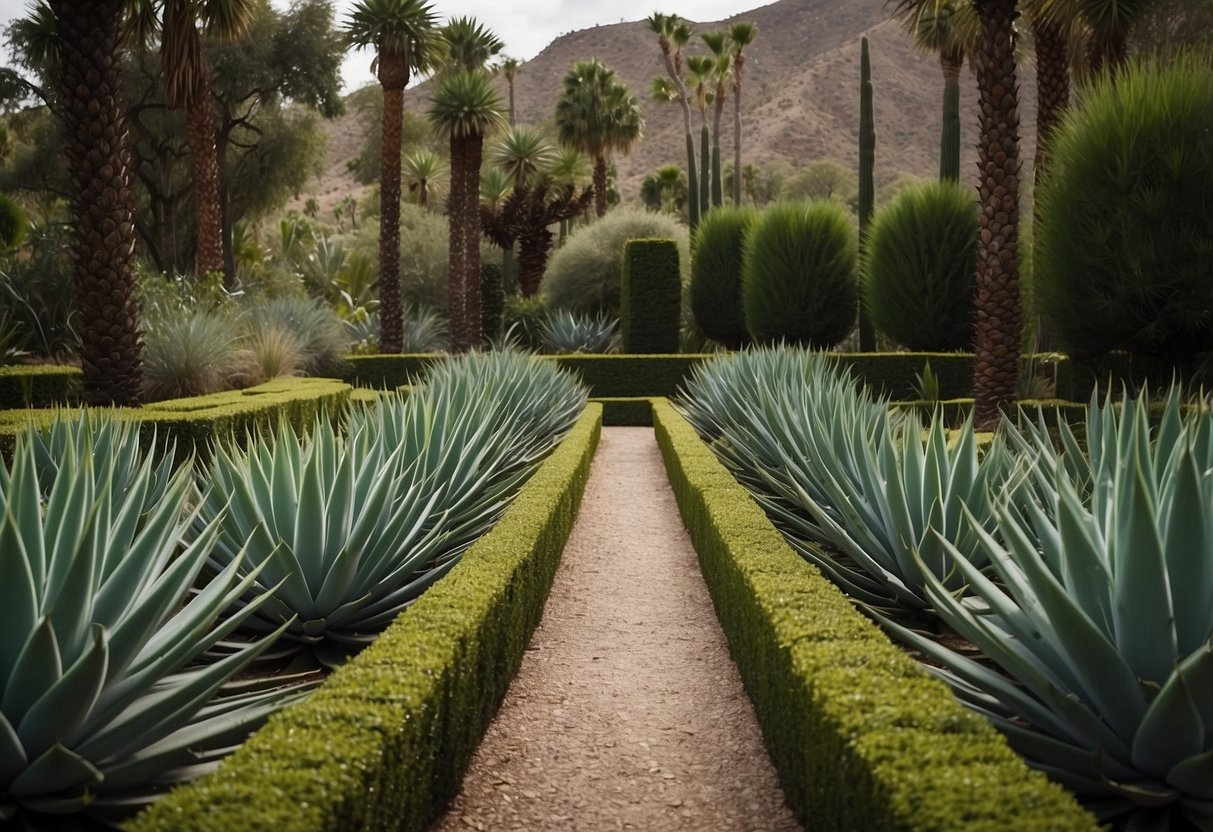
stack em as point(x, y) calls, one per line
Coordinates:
point(525, 27)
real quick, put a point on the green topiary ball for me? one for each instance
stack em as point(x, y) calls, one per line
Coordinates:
point(1124, 245)
point(798, 275)
point(13, 223)
point(918, 267)
point(716, 274)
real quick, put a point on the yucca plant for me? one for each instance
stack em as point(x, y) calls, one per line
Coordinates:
point(102, 702)
point(353, 528)
point(1099, 617)
point(565, 331)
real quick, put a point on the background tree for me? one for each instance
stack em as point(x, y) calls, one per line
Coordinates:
point(699, 79)
point(508, 69)
point(665, 189)
point(722, 73)
point(422, 170)
point(741, 36)
point(469, 46)
point(526, 216)
point(522, 152)
point(466, 108)
point(597, 115)
point(672, 35)
point(402, 32)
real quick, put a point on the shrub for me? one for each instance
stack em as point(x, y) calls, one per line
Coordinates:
point(523, 320)
point(651, 297)
point(584, 275)
point(189, 354)
point(919, 265)
point(272, 351)
point(13, 223)
point(716, 274)
point(563, 332)
point(313, 323)
point(1125, 234)
point(798, 275)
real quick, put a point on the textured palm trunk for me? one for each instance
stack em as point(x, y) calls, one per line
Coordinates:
point(473, 155)
point(717, 177)
point(204, 156)
point(1052, 87)
point(600, 185)
point(737, 129)
point(102, 206)
point(950, 61)
point(457, 251)
point(996, 303)
point(390, 313)
point(533, 247)
point(705, 171)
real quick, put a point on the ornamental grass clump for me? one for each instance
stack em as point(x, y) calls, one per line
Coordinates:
point(104, 617)
point(347, 530)
point(1098, 617)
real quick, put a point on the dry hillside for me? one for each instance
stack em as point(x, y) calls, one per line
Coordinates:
point(800, 101)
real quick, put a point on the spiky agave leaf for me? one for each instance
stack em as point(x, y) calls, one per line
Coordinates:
point(1099, 619)
point(101, 704)
point(354, 528)
point(565, 331)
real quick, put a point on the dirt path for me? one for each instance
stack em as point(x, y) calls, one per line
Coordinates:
point(627, 712)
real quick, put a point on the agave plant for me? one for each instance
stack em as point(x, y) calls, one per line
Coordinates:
point(424, 331)
point(860, 493)
point(102, 705)
point(1099, 618)
point(564, 331)
point(352, 529)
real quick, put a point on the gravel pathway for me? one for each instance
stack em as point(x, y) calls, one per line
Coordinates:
point(627, 712)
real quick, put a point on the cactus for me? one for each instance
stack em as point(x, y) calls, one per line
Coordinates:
point(692, 186)
point(867, 183)
point(717, 179)
point(949, 140)
point(705, 173)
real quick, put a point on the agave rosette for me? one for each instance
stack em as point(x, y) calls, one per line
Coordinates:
point(101, 619)
point(564, 331)
point(1099, 617)
point(353, 528)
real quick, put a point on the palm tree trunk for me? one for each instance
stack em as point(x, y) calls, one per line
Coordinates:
point(996, 304)
point(391, 336)
point(511, 84)
point(950, 61)
point(737, 132)
point(717, 184)
point(705, 172)
point(1052, 86)
point(204, 156)
point(600, 185)
point(102, 206)
point(473, 154)
point(457, 252)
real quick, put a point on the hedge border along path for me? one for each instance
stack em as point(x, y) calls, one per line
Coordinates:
point(861, 736)
point(627, 712)
point(384, 742)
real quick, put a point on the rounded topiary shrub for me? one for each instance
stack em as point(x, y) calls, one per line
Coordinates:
point(798, 275)
point(583, 276)
point(1124, 240)
point(918, 267)
point(716, 274)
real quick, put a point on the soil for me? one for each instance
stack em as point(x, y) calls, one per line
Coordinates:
point(627, 712)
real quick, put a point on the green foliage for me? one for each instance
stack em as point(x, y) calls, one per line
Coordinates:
point(37, 291)
point(650, 296)
point(584, 274)
point(13, 223)
point(919, 266)
point(312, 323)
point(716, 264)
point(523, 320)
point(1098, 615)
point(1125, 226)
point(492, 301)
point(104, 701)
point(824, 179)
point(412, 708)
point(861, 737)
point(190, 354)
point(798, 275)
point(563, 332)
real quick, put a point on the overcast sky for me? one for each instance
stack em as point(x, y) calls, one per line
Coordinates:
point(525, 27)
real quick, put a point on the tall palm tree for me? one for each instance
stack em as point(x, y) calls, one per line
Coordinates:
point(469, 45)
point(597, 115)
point(522, 152)
point(699, 77)
point(722, 73)
point(422, 169)
point(402, 32)
point(181, 25)
point(1052, 33)
point(465, 107)
point(508, 68)
point(1109, 23)
point(87, 60)
point(741, 36)
point(672, 35)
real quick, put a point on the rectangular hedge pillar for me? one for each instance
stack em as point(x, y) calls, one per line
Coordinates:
point(650, 297)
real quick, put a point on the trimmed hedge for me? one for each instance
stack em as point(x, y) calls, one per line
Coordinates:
point(384, 742)
point(861, 736)
point(650, 305)
point(38, 385)
point(384, 372)
point(635, 411)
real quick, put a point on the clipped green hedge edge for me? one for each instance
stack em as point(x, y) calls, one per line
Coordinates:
point(39, 385)
point(384, 742)
point(861, 736)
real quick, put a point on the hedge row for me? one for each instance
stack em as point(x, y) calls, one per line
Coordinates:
point(650, 290)
point(38, 385)
point(861, 736)
point(384, 742)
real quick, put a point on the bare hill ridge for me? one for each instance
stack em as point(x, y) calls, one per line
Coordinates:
point(800, 99)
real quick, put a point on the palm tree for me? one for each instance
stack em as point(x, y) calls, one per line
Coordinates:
point(1109, 23)
point(722, 71)
point(741, 35)
point(597, 115)
point(181, 25)
point(569, 167)
point(469, 45)
point(672, 35)
point(465, 107)
point(402, 33)
point(508, 68)
point(421, 170)
point(86, 55)
point(699, 68)
point(1052, 34)
point(522, 152)
point(525, 216)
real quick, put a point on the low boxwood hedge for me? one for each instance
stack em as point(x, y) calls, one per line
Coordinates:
point(636, 411)
point(384, 742)
point(38, 385)
point(861, 736)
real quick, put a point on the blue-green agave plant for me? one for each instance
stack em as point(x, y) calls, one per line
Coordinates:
point(102, 618)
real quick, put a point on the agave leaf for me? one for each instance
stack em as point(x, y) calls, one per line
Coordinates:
point(13, 758)
point(59, 714)
point(57, 769)
point(309, 532)
point(38, 666)
point(18, 595)
point(1194, 776)
point(1187, 528)
point(1171, 730)
point(25, 504)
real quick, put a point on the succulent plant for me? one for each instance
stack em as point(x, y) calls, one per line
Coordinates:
point(102, 619)
point(564, 331)
point(1098, 618)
